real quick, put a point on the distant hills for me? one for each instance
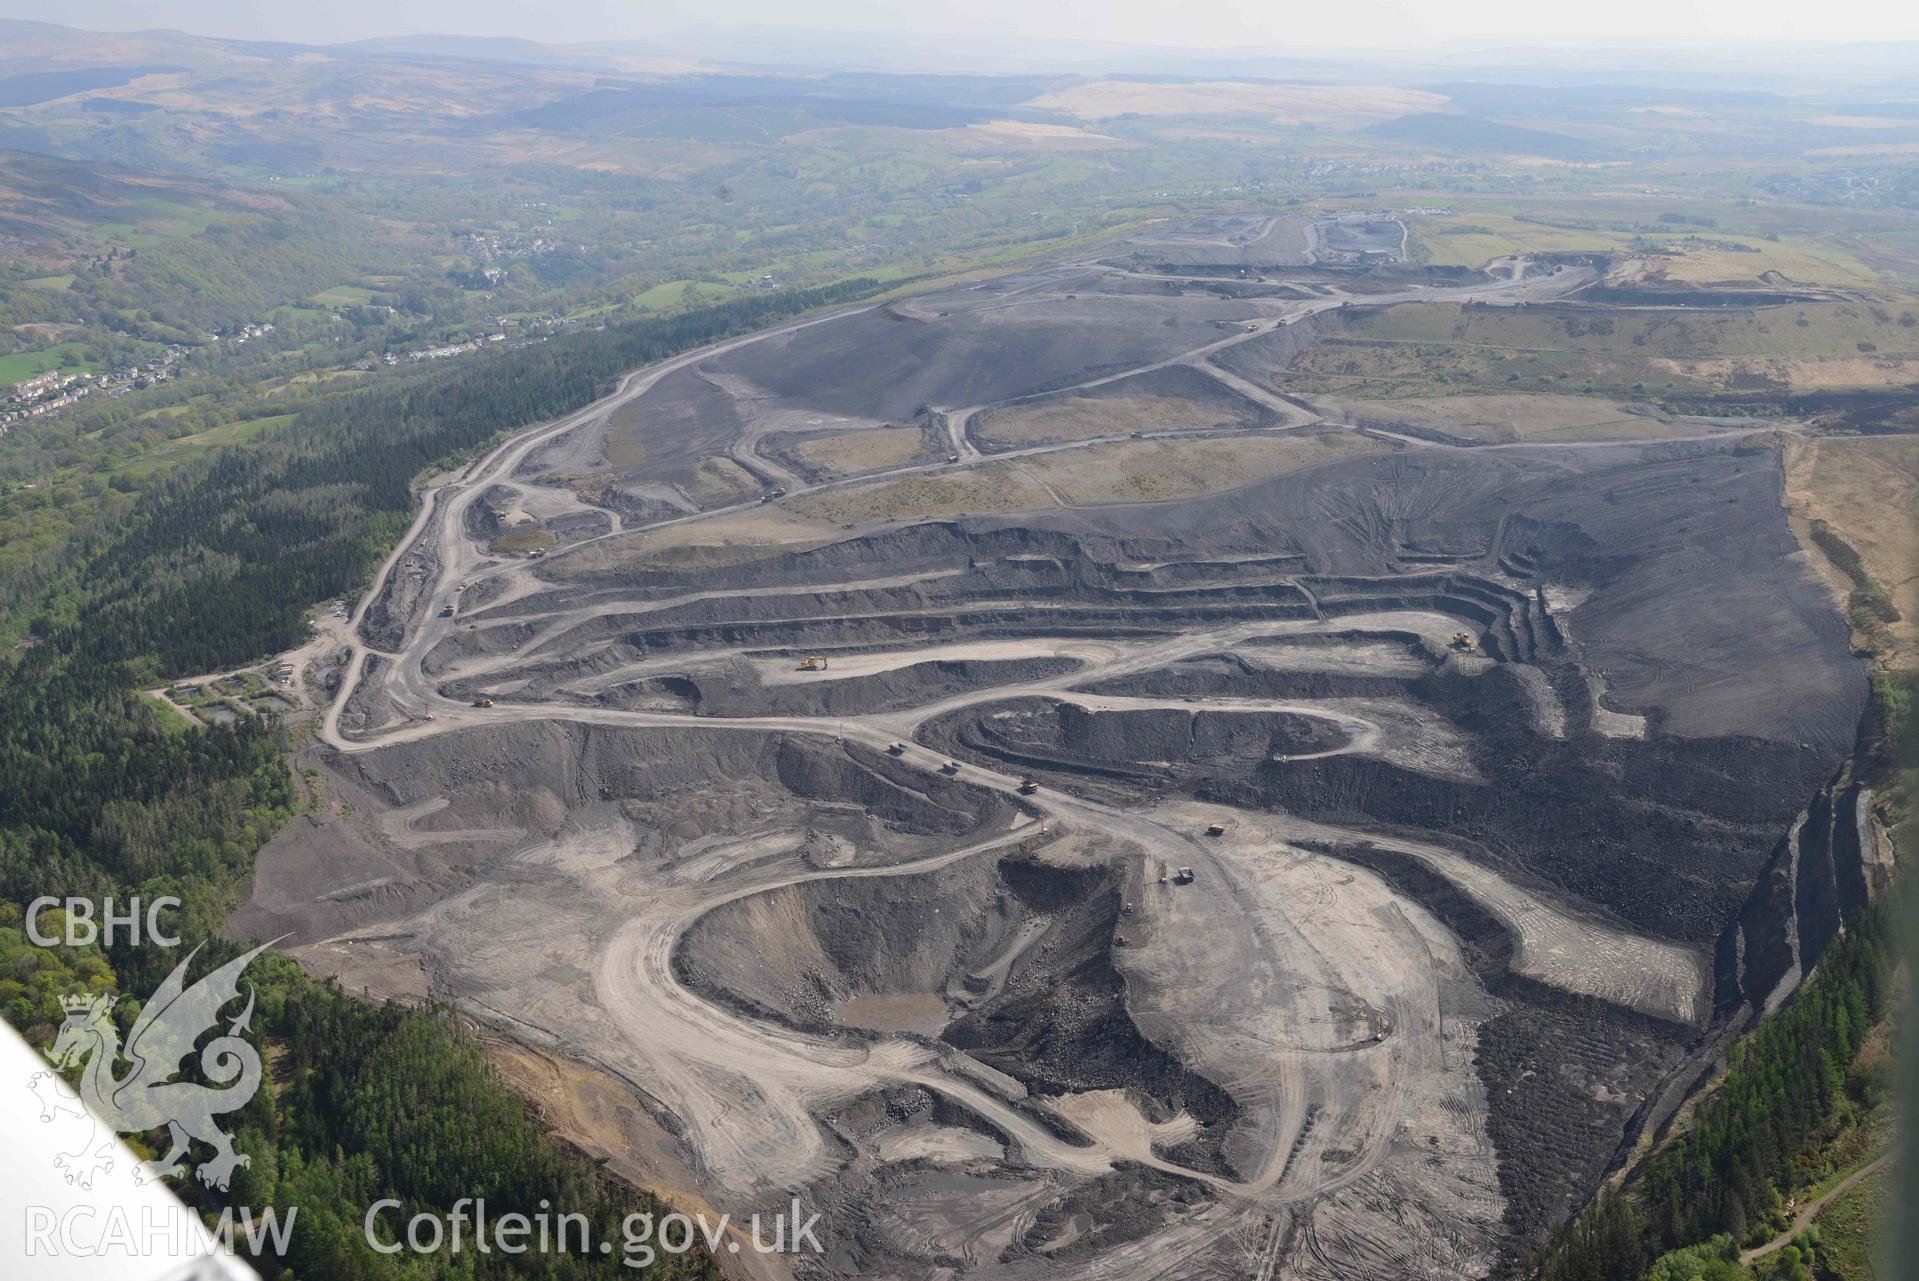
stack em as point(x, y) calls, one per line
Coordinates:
point(1473, 134)
point(424, 104)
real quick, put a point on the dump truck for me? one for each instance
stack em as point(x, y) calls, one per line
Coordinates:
point(483, 702)
point(896, 749)
point(446, 611)
point(951, 767)
point(952, 458)
point(813, 663)
point(1462, 642)
point(1216, 829)
point(1027, 787)
point(1184, 876)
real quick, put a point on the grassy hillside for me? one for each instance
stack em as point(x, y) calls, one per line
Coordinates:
point(1427, 350)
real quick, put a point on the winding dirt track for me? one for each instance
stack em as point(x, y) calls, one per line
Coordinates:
point(1810, 1211)
point(1321, 1108)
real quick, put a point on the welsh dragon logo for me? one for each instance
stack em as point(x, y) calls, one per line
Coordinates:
point(146, 1097)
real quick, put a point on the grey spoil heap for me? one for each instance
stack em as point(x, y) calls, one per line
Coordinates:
point(1417, 787)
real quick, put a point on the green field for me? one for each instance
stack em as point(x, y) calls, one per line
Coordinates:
point(174, 452)
point(156, 221)
point(344, 296)
point(23, 365)
point(314, 378)
point(1474, 237)
point(680, 293)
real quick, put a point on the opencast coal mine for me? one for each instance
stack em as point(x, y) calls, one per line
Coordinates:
point(993, 766)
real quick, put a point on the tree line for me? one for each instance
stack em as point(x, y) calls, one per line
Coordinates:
point(218, 563)
point(1789, 1085)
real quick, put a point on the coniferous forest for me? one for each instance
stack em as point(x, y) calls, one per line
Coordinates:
point(1724, 1179)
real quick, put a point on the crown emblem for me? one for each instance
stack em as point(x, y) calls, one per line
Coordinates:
point(77, 1002)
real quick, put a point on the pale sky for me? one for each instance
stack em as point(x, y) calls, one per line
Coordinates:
point(1241, 25)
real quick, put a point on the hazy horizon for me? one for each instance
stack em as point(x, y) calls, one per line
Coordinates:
point(1223, 27)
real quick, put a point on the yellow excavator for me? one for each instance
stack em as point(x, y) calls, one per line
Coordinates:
point(1462, 642)
point(813, 663)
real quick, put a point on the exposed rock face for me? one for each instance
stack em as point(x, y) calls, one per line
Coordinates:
point(1835, 858)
